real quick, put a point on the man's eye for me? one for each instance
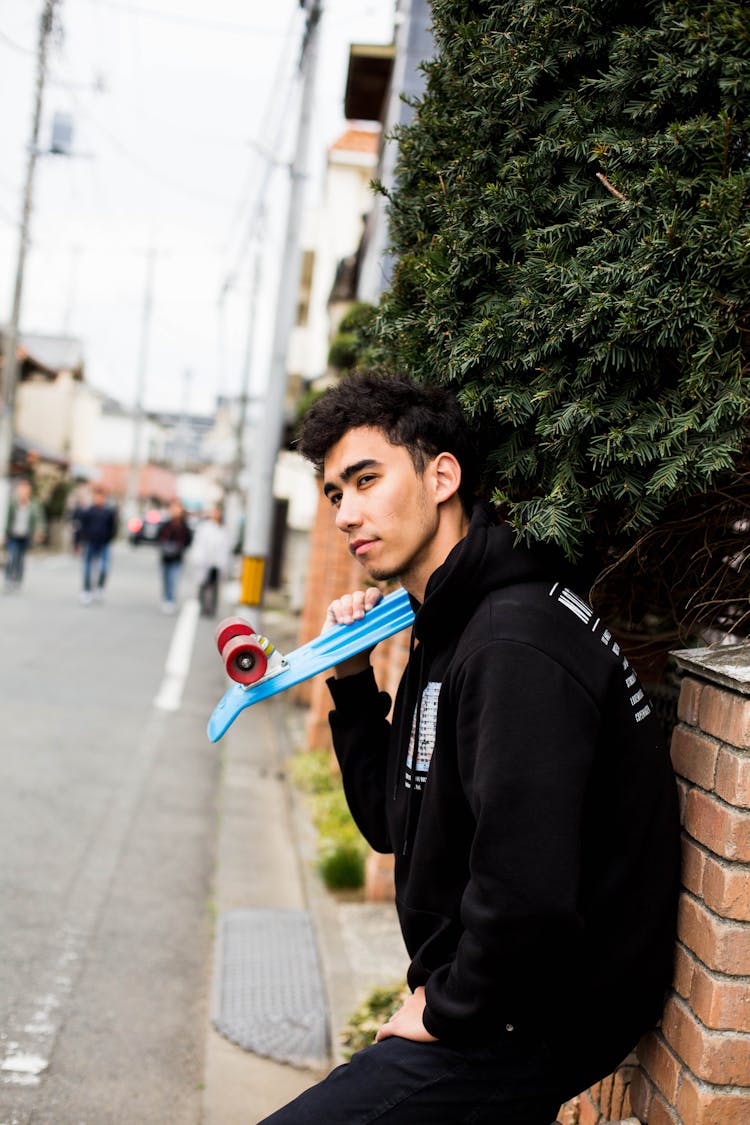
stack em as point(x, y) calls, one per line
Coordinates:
point(365, 479)
point(335, 498)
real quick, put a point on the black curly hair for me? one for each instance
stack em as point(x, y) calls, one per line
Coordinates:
point(424, 419)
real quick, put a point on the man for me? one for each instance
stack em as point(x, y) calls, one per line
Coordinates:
point(24, 525)
point(211, 555)
point(97, 528)
point(521, 785)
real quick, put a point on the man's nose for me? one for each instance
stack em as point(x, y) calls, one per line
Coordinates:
point(348, 514)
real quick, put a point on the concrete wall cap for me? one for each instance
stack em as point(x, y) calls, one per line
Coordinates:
point(728, 665)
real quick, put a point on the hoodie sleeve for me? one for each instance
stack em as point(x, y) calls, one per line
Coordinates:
point(361, 734)
point(525, 735)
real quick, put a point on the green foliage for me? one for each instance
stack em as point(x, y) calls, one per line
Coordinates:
point(341, 849)
point(342, 352)
point(349, 347)
point(56, 501)
point(358, 318)
point(572, 225)
point(343, 867)
point(369, 1017)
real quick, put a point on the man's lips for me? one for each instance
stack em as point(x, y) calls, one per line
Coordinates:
point(360, 546)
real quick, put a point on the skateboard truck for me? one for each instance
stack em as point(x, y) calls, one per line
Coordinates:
point(248, 656)
point(260, 670)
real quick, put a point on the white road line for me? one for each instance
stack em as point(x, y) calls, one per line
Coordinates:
point(169, 696)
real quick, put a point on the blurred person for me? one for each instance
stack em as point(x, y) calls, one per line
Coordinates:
point(97, 528)
point(210, 555)
point(175, 536)
point(25, 525)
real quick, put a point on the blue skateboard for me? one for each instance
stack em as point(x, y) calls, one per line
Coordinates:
point(261, 671)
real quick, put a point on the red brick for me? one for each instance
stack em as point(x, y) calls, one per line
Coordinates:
point(701, 1104)
point(660, 1064)
point(720, 1002)
point(716, 1058)
point(721, 945)
point(588, 1110)
point(641, 1091)
point(694, 756)
point(732, 779)
point(725, 715)
point(683, 791)
point(568, 1114)
point(620, 1103)
point(726, 889)
point(661, 1114)
point(722, 828)
point(684, 967)
point(379, 886)
point(689, 702)
point(693, 864)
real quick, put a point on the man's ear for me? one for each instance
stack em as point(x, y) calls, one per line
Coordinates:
point(446, 475)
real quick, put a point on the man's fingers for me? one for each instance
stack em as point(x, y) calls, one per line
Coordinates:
point(351, 607)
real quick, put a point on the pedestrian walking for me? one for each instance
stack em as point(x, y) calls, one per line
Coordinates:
point(24, 526)
point(97, 527)
point(175, 536)
point(521, 784)
point(210, 554)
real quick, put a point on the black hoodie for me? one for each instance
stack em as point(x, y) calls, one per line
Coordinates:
point(537, 839)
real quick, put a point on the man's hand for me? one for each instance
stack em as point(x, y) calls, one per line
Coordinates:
point(345, 610)
point(406, 1023)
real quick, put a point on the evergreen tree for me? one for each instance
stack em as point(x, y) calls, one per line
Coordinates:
point(572, 225)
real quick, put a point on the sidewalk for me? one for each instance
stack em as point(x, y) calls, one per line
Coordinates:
point(265, 861)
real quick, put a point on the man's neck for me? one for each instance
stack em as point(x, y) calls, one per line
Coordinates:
point(453, 527)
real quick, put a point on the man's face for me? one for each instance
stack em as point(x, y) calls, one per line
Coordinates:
point(384, 507)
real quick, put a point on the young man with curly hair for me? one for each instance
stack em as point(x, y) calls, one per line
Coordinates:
point(520, 782)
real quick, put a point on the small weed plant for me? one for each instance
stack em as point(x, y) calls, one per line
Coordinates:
point(375, 1010)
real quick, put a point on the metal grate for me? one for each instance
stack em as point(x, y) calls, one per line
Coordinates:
point(268, 990)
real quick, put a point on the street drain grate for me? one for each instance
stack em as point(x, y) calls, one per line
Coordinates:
point(268, 990)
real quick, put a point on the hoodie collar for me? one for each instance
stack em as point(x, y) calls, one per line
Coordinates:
point(485, 559)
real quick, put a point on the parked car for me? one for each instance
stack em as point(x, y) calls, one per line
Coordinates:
point(146, 528)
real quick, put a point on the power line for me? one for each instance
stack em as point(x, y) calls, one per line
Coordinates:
point(190, 21)
point(8, 42)
point(273, 100)
point(142, 165)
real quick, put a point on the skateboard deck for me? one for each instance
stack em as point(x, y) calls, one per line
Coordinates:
point(389, 616)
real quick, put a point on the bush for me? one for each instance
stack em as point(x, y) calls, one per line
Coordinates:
point(571, 220)
point(341, 848)
point(342, 867)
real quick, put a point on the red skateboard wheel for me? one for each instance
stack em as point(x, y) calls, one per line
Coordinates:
point(231, 627)
point(244, 660)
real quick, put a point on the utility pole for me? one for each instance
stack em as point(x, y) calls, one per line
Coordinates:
point(10, 364)
point(244, 429)
point(131, 497)
point(259, 512)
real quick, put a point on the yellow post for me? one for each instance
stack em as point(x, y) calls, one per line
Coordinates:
point(251, 581)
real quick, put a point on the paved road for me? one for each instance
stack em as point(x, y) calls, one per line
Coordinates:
point(107, 843)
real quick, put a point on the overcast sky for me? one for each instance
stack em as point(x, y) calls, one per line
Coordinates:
point(176, 105)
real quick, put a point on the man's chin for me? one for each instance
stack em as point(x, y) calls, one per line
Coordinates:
point(378, 573)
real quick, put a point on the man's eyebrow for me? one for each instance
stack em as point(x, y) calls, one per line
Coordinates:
point(349, 472)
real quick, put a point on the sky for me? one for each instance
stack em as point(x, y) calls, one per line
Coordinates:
point(143, 241)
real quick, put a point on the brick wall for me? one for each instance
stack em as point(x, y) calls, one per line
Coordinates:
point(696, 1069)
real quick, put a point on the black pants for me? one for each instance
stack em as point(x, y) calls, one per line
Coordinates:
point(400, 1082)
point(208, 592)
